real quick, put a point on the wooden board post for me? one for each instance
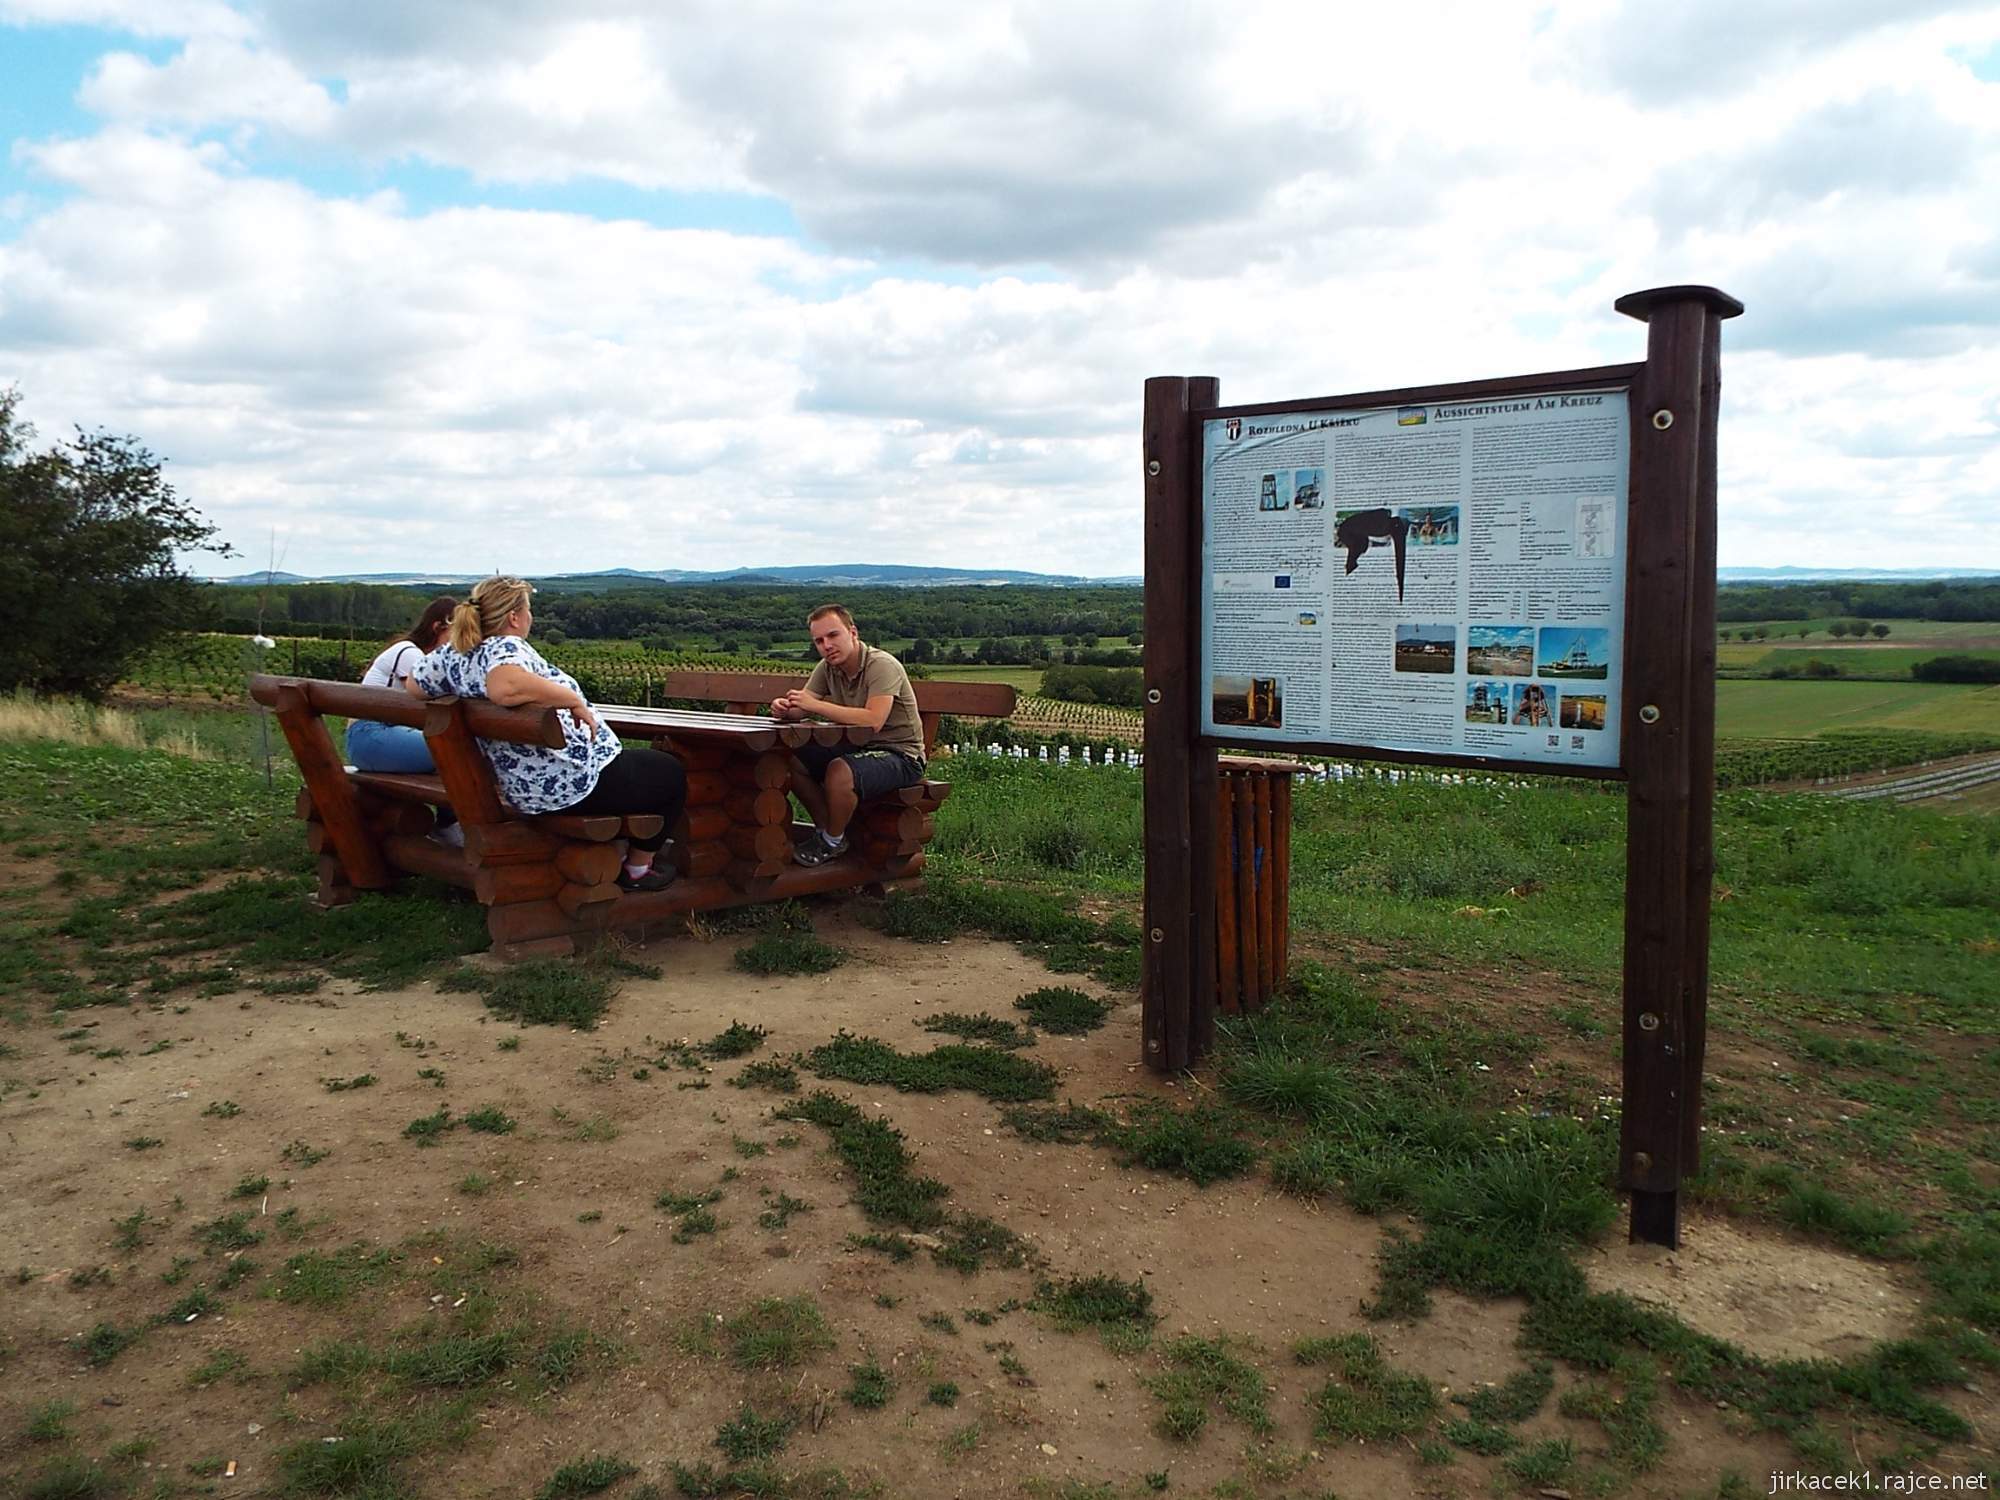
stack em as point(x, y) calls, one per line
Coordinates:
point(1177, 996)
point(1669, 736)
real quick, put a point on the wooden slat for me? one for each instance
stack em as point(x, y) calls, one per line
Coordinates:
point(1243, 813)
point(510, 843)
point(706, 787)
point(1228, 992)
point(326, 776)
point(462, 765)
point(1281, 874)
point(588, 863)
point(642, 825)
point(334, 888)
point(593, 826)
point(1201, 793)
point(699, 859)
point(408, 788)
point(573, 898)
point(758, 843)
point(502, 885)
point(423, 856)
point(523, 726)
point(1267, 936)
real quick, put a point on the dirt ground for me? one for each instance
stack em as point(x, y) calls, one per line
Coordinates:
point(1230, 1259)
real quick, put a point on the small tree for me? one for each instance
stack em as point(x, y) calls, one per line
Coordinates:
point(1838, 629)
point(1878, 631)
point(88, 571)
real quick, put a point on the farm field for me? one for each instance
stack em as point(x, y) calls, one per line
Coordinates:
point(714, 1210)
point(1773, 710)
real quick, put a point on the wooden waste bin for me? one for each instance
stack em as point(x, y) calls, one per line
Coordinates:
point(1253, 874)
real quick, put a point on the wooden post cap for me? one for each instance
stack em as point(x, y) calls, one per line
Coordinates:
point(1640, 305)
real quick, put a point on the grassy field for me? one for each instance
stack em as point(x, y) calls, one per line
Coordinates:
point(1444, 1067)
point(1779, 710)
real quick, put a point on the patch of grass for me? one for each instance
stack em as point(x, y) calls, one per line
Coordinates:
point(344, 1085)
point(781, 951)
point(366, 1462)
point(777, 1333)
point(489, 1120)
point(695, 1223)
point(990, 1030)
point(71, 1478)
point(223, 1109)
point(190, 1307)
point(780, 1077)
point(49, 1422)
point(586, 1476)
point(1200, 1144)
point(106, 1341)
point(1120, 1311)
point(1543, 1464)
point(1815, 1208)
point(1480, 1437)
point(1514, 1399)
point(889, 1192)
point(428, 1130)
point(1067, 1124)
point(1201, 1373)
point(131, 1230)
point(301, 1154)
point(1063, 1009)
point(250, 1187)
point(229, 1232)
point(540, 991)
point(1365, 1399)
point(323, 1278)
point(780, 1213)
point(998, 1076)
point(475, 1184)
point(942, 1393)
point(938, 1322)
point(686, 1203)
point(143, 1142)
point(454, 1360)
point(221, 1364)
point(1629, 1417)
point(869, 1386)
point(738, 1040)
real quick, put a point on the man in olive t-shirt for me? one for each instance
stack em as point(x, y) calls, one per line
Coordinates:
point(853, 684)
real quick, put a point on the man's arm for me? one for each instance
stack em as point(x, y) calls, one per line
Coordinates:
point(871, 717)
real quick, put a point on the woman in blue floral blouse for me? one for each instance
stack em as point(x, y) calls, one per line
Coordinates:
point(488, 656)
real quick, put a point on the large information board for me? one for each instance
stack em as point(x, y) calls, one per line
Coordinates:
point(1444, 579)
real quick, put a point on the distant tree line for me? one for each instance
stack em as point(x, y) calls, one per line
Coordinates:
point(1929, 599)
point(756, 617)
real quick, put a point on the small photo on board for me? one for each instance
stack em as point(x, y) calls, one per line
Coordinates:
point(1582, 711)
point(1426, 648)
point(1534, 706)
point(1244, 701)
point(1309, 489)
point(1274, 492)
point(1308, 617)
point(1486, 703)
point(1574, 651)
point(1431, 525)
point(1500, 650)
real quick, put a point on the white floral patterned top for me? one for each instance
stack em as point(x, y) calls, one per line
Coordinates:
point(534, 778)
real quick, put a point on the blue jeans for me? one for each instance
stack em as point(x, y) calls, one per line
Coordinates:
point(387, 747)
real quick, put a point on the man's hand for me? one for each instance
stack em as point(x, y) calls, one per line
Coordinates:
point(782, 707)
point(803, 702)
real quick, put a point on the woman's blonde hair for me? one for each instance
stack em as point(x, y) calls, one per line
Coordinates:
point(486, 611)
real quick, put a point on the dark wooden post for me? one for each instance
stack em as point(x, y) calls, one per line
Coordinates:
point(1203, 820)
point(326, 778)
point(1171, 982)
point(1669, 739)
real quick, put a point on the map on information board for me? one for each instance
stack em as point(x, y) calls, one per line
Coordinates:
point(1445, 578)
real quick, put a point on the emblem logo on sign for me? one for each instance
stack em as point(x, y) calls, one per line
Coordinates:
point(1234, 427)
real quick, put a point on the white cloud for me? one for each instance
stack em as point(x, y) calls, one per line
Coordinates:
point(1298, 200)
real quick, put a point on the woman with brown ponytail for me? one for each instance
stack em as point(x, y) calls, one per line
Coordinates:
point(488, 656)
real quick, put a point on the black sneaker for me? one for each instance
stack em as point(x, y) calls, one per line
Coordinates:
point(816, 851)
point(658, 878)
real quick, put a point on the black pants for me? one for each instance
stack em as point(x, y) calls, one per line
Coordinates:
point(640, 781)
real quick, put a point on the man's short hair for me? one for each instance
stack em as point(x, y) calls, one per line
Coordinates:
point(830, 609)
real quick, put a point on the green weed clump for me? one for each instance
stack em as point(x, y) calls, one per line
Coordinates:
point(777, 1333)
point(327, 1278)
point(869, 1385)
point(1514, 1399)
point(990, 1030)
point(1064, 1009)
point(1202, 1373)
point(1120, 1311)
point(779, 1077)
point(586, 1476)
point(1364, 1399)
point(540, 991)
point(738, 1040)
point(367, 1461)
point(999, 1076)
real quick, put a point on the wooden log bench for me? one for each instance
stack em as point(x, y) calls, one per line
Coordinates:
point(549, 882)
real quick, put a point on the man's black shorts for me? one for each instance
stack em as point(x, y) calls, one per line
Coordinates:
point(875, 771)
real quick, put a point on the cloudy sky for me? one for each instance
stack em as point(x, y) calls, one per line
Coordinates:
point(510, 283)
